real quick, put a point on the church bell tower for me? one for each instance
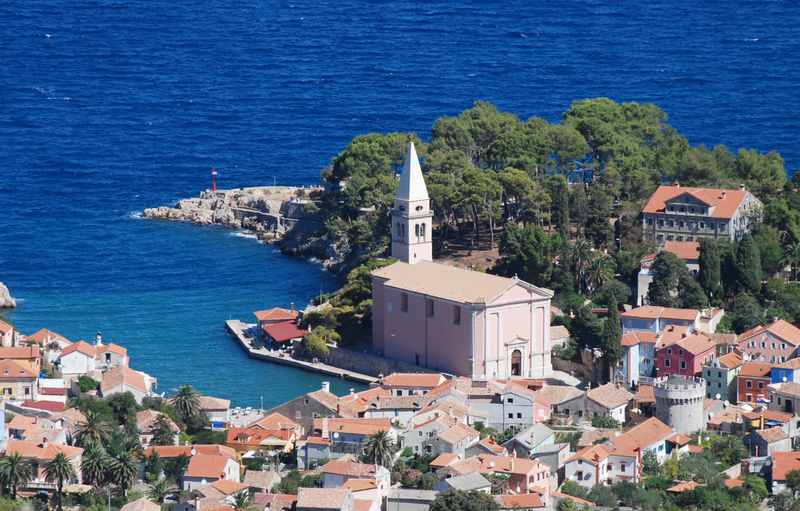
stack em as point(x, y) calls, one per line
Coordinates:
point(412, 217)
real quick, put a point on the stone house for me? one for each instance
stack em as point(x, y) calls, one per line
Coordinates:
point(720, 375)
point(314, 405)
point(121, 379)
point(17, 381)
point(216, 410)
point(208, 468)
point(766, 442)
point(77, 359)
point(531, 440)
point(39, 454)
point(411, 384)
point(49, 342)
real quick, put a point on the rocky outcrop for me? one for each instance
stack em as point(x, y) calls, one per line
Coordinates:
point(6, 301)
point(268, 211)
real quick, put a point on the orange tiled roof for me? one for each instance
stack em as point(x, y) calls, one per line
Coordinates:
point(609, 395)
point(523, 501)
point(207, 466)
point(276, 314)
point(771, 435)
point(355, 485)
point(5, 327)
point(783, 463)
point(655, 312)
point(81, 347)
point(755, 369)
point(356, 426)
point(43, 336)
point(227, 487)
point(647, 433)
point(780, 328)
point(686, 250)
point(696, 344)
point(444, 459)
point(724, 202)
point(634, 338)
point(38, 451)
point(12, 370)
point(122, 375)
point(112, 348)
point(349, 468)
point(415, 380)
point(274, 421)
point(19, 352)
point(731, 360)
point(173, 451)
point(594, 454)
point(684, 486)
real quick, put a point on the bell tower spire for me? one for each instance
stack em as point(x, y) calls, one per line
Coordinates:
point(412, 217)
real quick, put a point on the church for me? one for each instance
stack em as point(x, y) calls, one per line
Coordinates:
point(449, 319)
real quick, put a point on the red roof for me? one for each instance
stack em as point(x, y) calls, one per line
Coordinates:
point(755, 370)
point(276, 314)
point(656, 312)
point(686, 250)
point(780, 328)
point(723, 203)
point(80, 346)
point(49, 406)
point(53, 391)
point(284, 331)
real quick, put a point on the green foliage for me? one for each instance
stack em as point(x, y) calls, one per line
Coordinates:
point(611, 336)
point(673, 285)
point(294, 480)
point(601, 421)
point(748, 265)
point(711, 269)
point(746, 313)
point(87, 384)
point(527, 251)
point(379, 448)
point(602, 495)
point(574, 489)
point(186, 402)
point(456, 500)
point(315, 344)
point(175, 467)
point(15, 472)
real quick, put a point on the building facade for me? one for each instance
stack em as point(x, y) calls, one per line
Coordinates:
point(679, 403)
point(774, 343)
point(680, 213)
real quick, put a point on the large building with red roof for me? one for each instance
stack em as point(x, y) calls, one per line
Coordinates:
point(774, 343)
point(682, 213)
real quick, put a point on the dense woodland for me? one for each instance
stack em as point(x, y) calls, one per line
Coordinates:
point(497, 181)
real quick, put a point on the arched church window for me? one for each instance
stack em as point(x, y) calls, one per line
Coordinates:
point(419, 208)
point(516, 363)
point(422, 231)
point(416, 230)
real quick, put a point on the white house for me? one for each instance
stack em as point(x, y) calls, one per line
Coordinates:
point(337, 472)
point(208, 468)
point(123, 379)
point(77, 359)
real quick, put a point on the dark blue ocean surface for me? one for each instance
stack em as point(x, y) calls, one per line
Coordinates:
point(108, 107)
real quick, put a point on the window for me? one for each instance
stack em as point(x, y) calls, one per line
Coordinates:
point(622, 467)
point(519, 415)
point(773, 345)
point(429, 307)
point(420, 433)
point(666, 363)
point(669, 351)
point(749, 384)
point(510, 415)
point(416, 230)
point(719, 374)
point(702, 225)
point(404, 302)
point(761, 385)
point(649, 221)
point(516, 363)
point(509, 400)
point(456, 315)
point(683, 364)
point(298, 414)
point(27, 390)
point(422, 231)
point(748, 397)
point(783, 345)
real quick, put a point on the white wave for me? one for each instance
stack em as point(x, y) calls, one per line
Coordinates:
point(135, 215)
point(244, 234)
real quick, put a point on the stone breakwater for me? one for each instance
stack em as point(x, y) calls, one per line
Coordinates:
point(267, 211)
point(6, 301)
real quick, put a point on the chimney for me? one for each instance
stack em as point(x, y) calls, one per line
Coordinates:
point(676, 184)
point(44, 442)
point(291, 305)
point(352, 392)
point(326, 386)
point(741, 187)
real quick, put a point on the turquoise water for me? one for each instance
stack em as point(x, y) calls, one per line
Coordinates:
point(111, 106)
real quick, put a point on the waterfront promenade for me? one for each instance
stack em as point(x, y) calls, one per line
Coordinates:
point(240, 332)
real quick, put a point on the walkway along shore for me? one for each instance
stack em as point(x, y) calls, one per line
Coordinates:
point(239, 331)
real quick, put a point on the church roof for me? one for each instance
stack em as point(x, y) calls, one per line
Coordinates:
point(412, 184)
point(449, 282)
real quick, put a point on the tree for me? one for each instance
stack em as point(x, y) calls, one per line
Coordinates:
point(316, 342)
point(59, 470)
point(611, 338)
point(186, 402)
point(711, 269)
point(93, 429)
point(379, 448)
point(602, 496)
point(241, 501)
point(527, 251)
point(122, 470)
point(667, 270)
point(746, 313)
point(605, 422)
point(158, 491)
point(15, 471)
point(613, 289)
point(457, 500)
point(94, 463)
point(793, 481)
point(574, 489)
point(153, 467)
point(767, 239)
point(174, 468)
point(690, 293)
point(162, 431)
point(586, 328)
point(748, 265)
point(87, 384)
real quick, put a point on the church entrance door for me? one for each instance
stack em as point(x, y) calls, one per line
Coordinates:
point(516, 363)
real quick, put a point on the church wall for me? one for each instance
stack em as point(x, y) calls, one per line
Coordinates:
point(404, 332)
point(449, 345)
point(378, 314)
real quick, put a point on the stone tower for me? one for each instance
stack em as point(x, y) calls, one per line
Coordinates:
point(412, 217)
point(679, 402)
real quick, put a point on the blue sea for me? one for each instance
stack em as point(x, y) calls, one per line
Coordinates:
point(108, 107)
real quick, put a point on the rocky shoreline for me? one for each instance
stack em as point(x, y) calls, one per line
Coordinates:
point(6, 300)
point(285, 216)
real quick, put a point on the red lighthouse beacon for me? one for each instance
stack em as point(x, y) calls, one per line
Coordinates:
point(213, 180)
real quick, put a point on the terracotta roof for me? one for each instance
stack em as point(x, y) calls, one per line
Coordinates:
point(12, 370)
point(730, 360)
point(173, 451)
point(414, 380)
point(492, 446)
point(276, 314)
point(284, 331)
point(38, 451)
point(724, 338)
point(121, 375)
point(696, 344)
point(559, 332)
point(594, 454)
point(52, 391)
point(643, 435)
point(349, 468)
point(645, 394)
point(775, 415)
point(733, 483)
point(112, 348)
point(321, 498)
point(593, 436)
point(655, 312)
point(695, 449)
point(275, 501)
point(458, 433)
point(317, 440)
point(48, 406)
point(142, 504)
point(44, 336)
point(679, 439)
point(557, 394)
point(792, 363)
point(209, 466)
point(19, 352)
point(81, 347)
point(227, 487)
point(23, 422)
point(755, 369)
point(609, 395)
point(359, 426)
point(524, 501)
point(448, 282)
point(723, 203)
point(771, 435)
point(488, 463)
point(146, 419)
point(261, 479)
point(444, 459)
point(355, 485)
point(213, 403)
point(274, 421)
point(257, 436)
point(783, 463)
point(577, 500)
point(780, 328)
point(686, 250)
point(325, 398)
point(684, 486)
point(634, 338)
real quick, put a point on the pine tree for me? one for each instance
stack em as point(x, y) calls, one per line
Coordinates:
point(611, 336)
point(711, 269)
point(748, 265)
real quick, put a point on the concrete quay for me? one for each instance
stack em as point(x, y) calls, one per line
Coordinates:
point(239, 331)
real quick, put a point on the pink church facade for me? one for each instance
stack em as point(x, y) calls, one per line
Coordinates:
point(504, 334)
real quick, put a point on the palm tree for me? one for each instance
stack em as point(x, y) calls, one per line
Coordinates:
point(379, 448)
point(94, 464)
point(186, 402)
point(241, 501)
point(601, 270)
point(59, 469)
point(15, 471)
point(158, 491)
point(162, 431)
point(122, 470)
point(93, 429)
point(792, 258)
